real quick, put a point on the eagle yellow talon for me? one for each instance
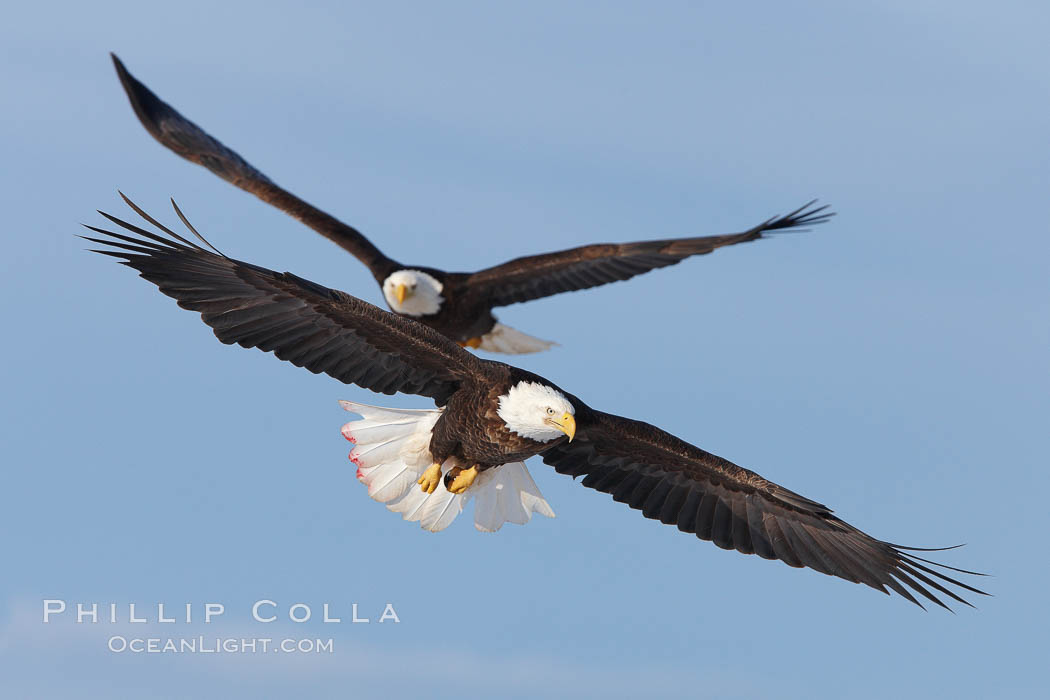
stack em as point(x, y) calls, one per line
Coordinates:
point(461, 479)
point(430, 479)
point(471, 343)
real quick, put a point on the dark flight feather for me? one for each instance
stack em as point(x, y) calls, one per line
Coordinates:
point(736, 508)
point(536, 276)
point(300, 321)
point(191, 142)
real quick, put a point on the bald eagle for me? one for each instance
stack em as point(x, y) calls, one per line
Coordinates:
point(491, 417)
point(456, 304)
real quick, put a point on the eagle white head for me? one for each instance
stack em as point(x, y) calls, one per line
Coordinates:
point(537, 412)
point(413, 293)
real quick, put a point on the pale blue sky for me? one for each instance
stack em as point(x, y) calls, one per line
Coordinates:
point(892, 364)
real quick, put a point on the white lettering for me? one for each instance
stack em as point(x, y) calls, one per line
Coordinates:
point(213, 610)
point(53, 607)
point(291, 613)
point(259, 604)
point(82, 612)
point(389, 614)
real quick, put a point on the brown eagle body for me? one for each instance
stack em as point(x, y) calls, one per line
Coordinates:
point(470, 430)
point(666, 478)
point(465, 313)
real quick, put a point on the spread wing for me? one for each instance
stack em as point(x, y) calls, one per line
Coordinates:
point(537, 276)
point(309, 325)
point(679, 484)
point(188, 140)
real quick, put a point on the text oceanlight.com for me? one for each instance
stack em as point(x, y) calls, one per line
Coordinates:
point(218, 645)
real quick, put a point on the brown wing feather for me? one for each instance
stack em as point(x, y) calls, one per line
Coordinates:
point(307, 324)
point(679, 484)
point(537, 276)
point(188, 140)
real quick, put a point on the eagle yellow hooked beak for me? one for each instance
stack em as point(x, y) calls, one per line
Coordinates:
point(567, 424)
point(401, 291)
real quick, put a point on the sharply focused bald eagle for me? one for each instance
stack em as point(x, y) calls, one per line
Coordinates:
point(457, 304)
point(427, 464)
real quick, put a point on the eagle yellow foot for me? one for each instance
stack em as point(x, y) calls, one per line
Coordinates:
point(459, 479)
point(430, 479)
point(472, 343)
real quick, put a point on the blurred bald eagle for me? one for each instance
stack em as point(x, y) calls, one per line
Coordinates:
point(427, 464)
point(456, 304)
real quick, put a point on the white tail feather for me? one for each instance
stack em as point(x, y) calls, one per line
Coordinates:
point(391, 447)
point(391, 451)
point(506, 494)
point(513, 342)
